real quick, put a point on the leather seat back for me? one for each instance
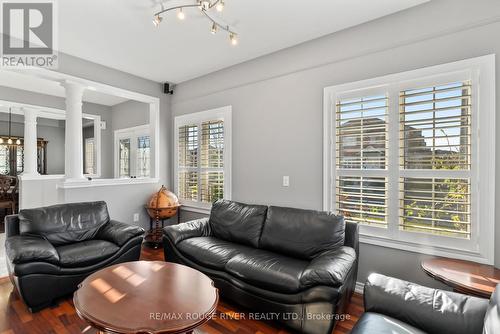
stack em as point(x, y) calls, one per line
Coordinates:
point(64, 223)
point(492, 318)
point(302, 233)
point(237, 222)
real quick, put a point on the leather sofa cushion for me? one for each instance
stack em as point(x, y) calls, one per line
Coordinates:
point(371, 323)
point(301, 233)
point(209, 251)
point(267, 270)
point(27, 248)
point(85, 253)
point(237, 222)
point(64, 223)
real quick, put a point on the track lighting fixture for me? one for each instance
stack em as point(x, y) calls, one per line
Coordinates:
point(180, 14)
point(9, 141)
point(157, 20)
point(205, 6)
point(220, 6)
point(233, 38)
point(18, 141)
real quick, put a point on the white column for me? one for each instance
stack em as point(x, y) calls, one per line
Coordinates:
point(30, 142)
point(73, 133)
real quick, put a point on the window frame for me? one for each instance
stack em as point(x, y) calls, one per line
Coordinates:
point(133, 133)
point(85, 158)
point(481, 72)
point(224, 114)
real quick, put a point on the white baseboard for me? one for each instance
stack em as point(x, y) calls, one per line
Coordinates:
point(359, 287)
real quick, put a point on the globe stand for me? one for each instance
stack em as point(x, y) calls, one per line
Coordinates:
point(154, 237)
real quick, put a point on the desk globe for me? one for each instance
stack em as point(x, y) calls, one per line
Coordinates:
point(162, 205)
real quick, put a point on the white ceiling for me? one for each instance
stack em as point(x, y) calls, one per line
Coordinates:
point(120, 33)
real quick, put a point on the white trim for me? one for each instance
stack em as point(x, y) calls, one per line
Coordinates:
point(105, 182)
point(97, 144)
point(222, 113)
point(481, 71)
point(195, 209)
point(132, 133)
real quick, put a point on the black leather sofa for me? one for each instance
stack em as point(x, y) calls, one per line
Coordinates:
point(299, 266)
point(393, 306)
point(51, 250)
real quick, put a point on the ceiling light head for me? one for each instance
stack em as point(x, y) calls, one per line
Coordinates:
point(220, 6)
point(1, 140)
point(214, 28)
point(204, 4)
point(180, 14)
point(157, 20)
point(9, 141)
point(18, 141)
point(233, 38)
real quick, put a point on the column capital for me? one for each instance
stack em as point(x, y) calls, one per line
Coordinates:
point(30, 114)
point(73, 87)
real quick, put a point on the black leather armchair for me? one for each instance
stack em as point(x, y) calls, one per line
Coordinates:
point(298, 265)
point(393, 306)
point(51, 250)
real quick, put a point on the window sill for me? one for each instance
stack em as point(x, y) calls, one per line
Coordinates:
point(196, 209)
point(423, 249)
point(70, 184)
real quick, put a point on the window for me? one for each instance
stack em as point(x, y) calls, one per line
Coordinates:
point(133, 157)
point(203, 152)
point(403, 158)
point(89, 157)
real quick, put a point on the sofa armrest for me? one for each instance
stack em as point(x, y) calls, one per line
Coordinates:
point(29, 248)
point(11, 225)
point(431, 310)
point(330, 268)
point(118, 233)
point(191, 229)
point(352, 236)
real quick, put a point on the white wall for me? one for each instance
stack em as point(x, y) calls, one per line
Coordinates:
point(277, 103)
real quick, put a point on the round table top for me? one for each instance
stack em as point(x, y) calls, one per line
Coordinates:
point(146, 297)
point(464, 276)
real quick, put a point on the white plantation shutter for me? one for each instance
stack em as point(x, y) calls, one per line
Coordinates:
point(361, 145)
point(435, 133)
point(201, 165)
point(188, 162)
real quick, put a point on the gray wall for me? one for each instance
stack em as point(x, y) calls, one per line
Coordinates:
point(277, 103)
point(129, 114)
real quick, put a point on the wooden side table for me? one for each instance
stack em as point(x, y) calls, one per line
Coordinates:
point(464, 276)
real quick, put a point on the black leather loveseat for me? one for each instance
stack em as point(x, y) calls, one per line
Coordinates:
point(51, 250)
point(291, 265)
point(393, 306)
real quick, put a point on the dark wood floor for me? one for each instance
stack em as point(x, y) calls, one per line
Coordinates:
point(62, 319)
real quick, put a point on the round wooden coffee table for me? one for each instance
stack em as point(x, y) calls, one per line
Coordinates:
point(146, 297)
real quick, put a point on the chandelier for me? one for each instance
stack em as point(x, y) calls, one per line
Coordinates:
point(205, 6)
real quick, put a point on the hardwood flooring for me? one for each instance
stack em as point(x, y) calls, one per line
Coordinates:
point(62, 319)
